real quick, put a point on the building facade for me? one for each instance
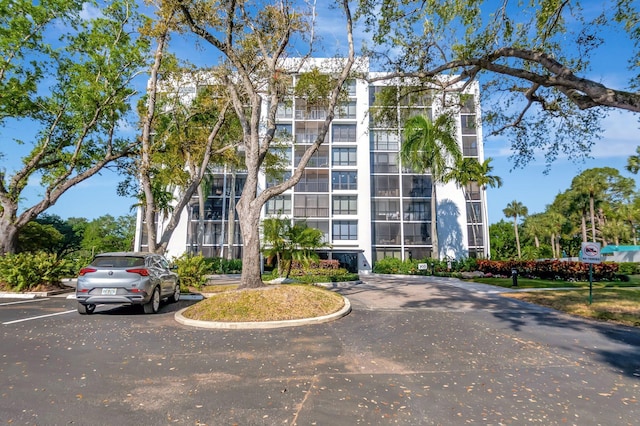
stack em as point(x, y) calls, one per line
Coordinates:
point(354, 189)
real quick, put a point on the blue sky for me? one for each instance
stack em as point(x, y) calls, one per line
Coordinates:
point(530, 185)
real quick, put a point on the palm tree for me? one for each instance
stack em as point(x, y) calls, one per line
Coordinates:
point(431, 146)
point(515, 209)
point(288, 243)
point(467, 172)
point(633, 162)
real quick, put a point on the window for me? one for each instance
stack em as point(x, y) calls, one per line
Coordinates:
point(344, 133)
point(473, 191)
point(276, 179)
point(406, 113)
point(382, 253)
point(311, 205)
point(313, 181)
point(386, 233)
point(346, 110)
point(417, 210)
point(285, 110)
point(345, 230)
point(416, 186)
point(344, 156)
point(474, 214)
point(468, 103)
point(345, 204)
point(280, 204)
point(417, 233)
point(382, 140)
point(384, 162)
point(385, 186)
point(344, 180)
point(470, 146)
point(322, 225)
point(474, 235)
point(386, 209)
point(319, 159)
point(350, 85)
point(468, 124)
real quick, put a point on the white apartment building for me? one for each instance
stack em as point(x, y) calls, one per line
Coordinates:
point(354, 189)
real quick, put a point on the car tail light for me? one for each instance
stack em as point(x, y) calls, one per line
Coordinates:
point(85, 271)
point(140, 271)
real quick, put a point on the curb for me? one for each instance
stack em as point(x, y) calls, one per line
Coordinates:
point(263, 324)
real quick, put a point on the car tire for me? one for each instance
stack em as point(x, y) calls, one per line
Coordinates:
point(86, 309)
point(176, 294)
point(152, 306)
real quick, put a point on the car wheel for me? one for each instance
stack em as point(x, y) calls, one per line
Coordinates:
point(152, 306)
point(176, 294)
point(86, 309)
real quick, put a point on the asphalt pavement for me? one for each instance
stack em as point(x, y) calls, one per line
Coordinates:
point(413, 351)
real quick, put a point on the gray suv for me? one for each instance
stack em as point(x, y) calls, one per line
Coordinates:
point(127, 278)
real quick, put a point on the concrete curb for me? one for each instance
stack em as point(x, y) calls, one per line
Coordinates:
point(264, 324)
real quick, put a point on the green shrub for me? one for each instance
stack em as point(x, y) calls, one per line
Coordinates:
point(388, 265)
point(629, 268)
point(192, 271)
point(26, 271)
point(218, 265)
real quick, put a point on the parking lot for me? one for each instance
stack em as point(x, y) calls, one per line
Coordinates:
point(411, 352)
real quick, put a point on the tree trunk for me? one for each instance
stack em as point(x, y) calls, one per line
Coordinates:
point(250, 227)
point(231, 218)
point(515, 228)
point(592, 213)
point(200, 233)
point(8, 237)
point(435, 254)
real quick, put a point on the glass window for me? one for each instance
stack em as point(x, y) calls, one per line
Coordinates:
point(417, 210)
point(322, 225)
point(313, 181)
point(285, 110)
point(468, 124)
point(384, 162)
point(319, 159)
point(344, 132)
point(385, 186)
point(278, 205)
point(345, 204)
point(311, 205)
point(470, 146)
point(381, 253)
point(383, 140)
point(346, 110)
point(386, 209)
point(350, 85)
point(344, 180)
point(345, 230)
point(417, 233)
point(468, 103)
point(416, 186)
point(417, 253)
point(386, 233)
point(474, 214)
point(474, 235)
point(473, 191)
point(345, 156)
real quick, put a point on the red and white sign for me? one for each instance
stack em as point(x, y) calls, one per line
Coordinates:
point(590, 253)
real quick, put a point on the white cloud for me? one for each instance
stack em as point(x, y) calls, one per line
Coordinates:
point(90, 12)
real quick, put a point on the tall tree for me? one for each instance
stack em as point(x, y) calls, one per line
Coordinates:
point(516, 209)
point(431, 146)
point(74, 90)
point(600, 185)
point(470, 172)
point(537, 61)
point(254, 42)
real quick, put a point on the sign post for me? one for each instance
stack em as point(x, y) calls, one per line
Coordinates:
point(590, 254)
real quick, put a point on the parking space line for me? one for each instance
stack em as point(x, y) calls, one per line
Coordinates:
point(23, 301)
point(38, 317)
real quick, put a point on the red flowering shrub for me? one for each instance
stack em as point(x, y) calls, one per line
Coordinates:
point(549, 269)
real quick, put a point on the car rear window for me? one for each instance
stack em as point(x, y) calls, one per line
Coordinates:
point(118, 261)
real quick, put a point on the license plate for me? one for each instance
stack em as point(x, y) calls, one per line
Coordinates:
point(109, 291)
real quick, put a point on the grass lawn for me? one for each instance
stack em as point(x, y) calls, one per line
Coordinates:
point(611, 301)
point(270, 303)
